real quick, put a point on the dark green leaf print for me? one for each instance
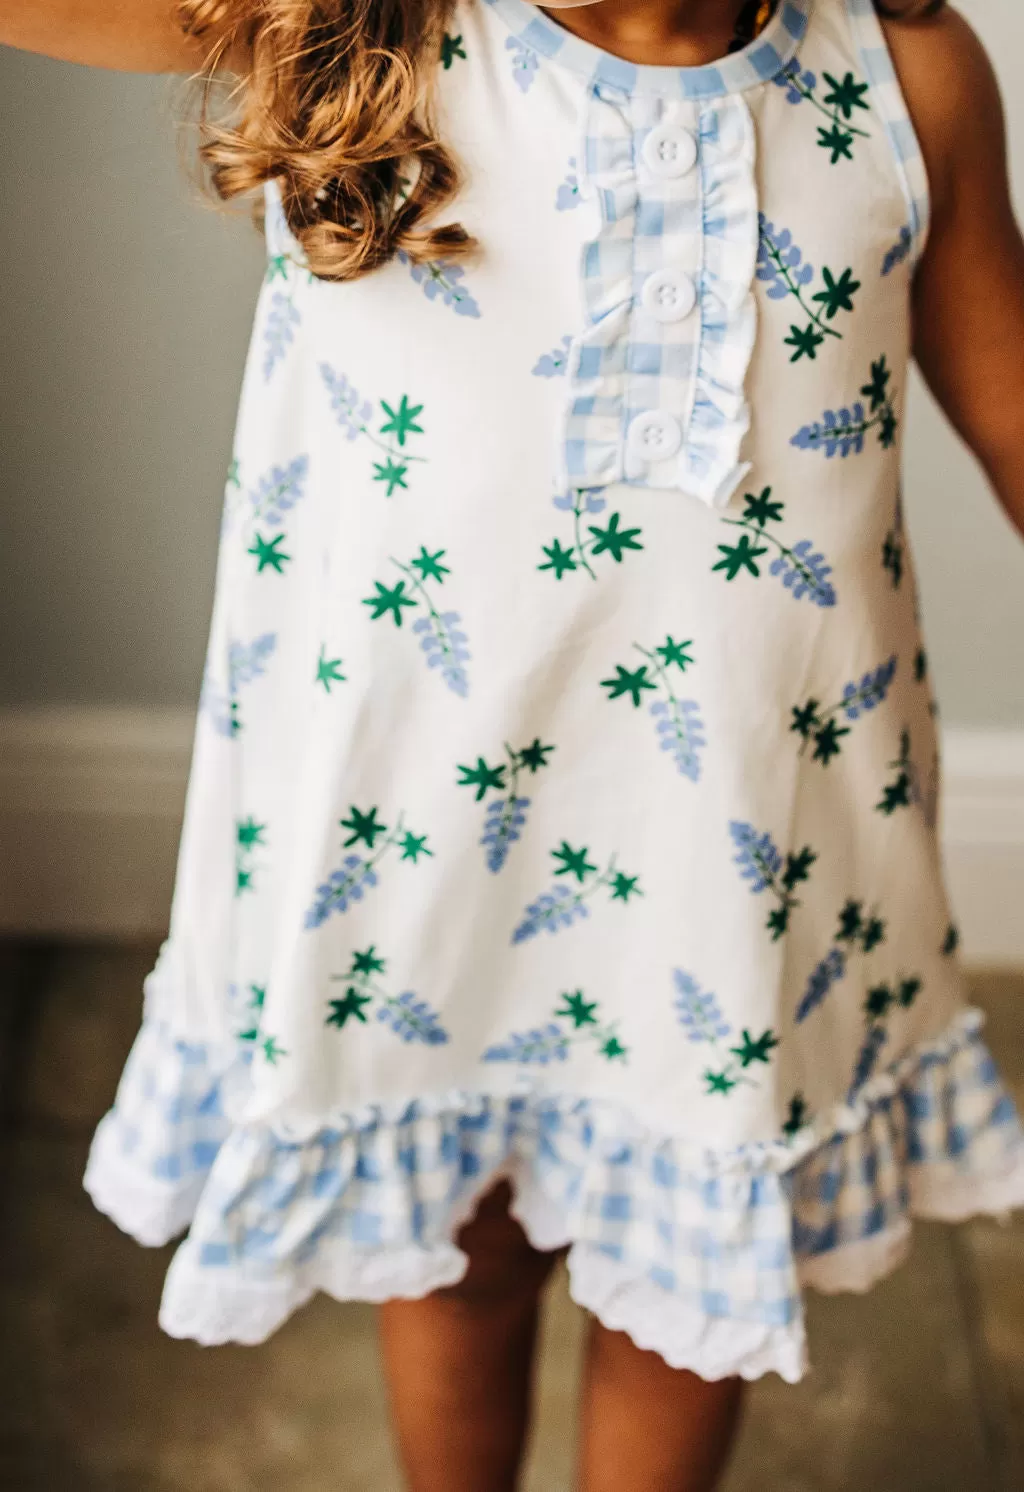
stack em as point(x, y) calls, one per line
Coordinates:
point(846, 96)
point(881, 1002)
point(482, 777)
point(451, 47)
point(389, 601)
point(568, 901)
point(406, 1015)
point(271, 1051)
point(328, 670)
point(268, 554)
point(838, 141)
point(399, 421)
point(857, 932)
point(951, 942)
point(358, 873)
point(628, 681)
point(837, 294)
point(598, 539)
point(797, 1117)
point(248, 840)
point(705, 1023)
point(819, 723)
point(904, 788)
point(801, 568)
point(442, 640)
point(505, 816)
point(429, 565)
point(574, 1021)
point(762, 866)
point(781, 266)
point(392, 473)
point(805, 341)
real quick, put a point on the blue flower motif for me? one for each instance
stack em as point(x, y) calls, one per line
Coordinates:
point(348, 409)
point(341, 888)
point(775, 251)
point(279, 490)
point(796, 83)
point(866, 1059)
point(412, 1019)
point(525, 62)
point(503, 824)
point(568, 195)
point(445, 647)
point(440, 277)
point(824, 976)
point(589, 498)
point(698, 1010)
point(553, 364)
point(757, 855)
point(869, 691)
point(682, 733)
point(899, 252)
point(247, 661)
point(807, 578)
point(278, 330)
point(542, 1045)
point(839, 431)
point(553, 910)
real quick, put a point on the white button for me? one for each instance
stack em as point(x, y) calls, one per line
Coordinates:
point(669, 151)
point(668, 294)
point(654, 435)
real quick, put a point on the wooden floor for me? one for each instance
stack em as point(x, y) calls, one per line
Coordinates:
point(918, 1387)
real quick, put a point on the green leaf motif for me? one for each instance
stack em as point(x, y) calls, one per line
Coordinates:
point(837, 294)
point(391, 472)
point(268, 554)
point(573, 862)
point(364, 826)
point(482, 777)
point(845, 96)
point(752, 1050)
point(579, 1010)
point(535, 755)
point(429, 565)
point(401, 421)
point(675, 652)
point(349, 1007)
point(451, 47)
point(743, 555)
point(628, 681)
point(805, 340)
point(389, 600)
point(413, 846)
point(838, 141)
point(613, 540)
point(328, 671)
point(761, 508)
point(560, 559)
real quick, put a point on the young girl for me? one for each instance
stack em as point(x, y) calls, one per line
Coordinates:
point(560, 867)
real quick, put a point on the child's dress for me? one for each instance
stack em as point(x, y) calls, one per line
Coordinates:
point(563, 803)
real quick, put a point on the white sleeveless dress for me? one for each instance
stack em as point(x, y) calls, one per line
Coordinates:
point(563, 802)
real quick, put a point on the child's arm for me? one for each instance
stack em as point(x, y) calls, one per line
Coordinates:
point(969, 288)
point(127, 35)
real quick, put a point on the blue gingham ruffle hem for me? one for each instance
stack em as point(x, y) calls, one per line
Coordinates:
point(698, 1256)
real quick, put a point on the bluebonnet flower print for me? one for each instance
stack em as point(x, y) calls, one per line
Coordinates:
point(881, 1001)
point(893, 545)
point(440, 277)
point(567, 903)
point(248, 842)
point(704, 1022)
point(553, 364)
point(406, 1015)
point(568, 195)
point(802, 569)
point(246, 662)
point(505, 814)
point(858, 931)
point(841, 431)
point(781, 266)
point(761, 866)
point(904, 788)
point(357, 873)
point(399, 422)
point(899, 252)
point(525, 62)
point(282, 318)
point(269, 502)
point(840, 106)
point(820, 723)
point(678, 721)
point(574, 1021)
point(600, 539)
point(441, 638)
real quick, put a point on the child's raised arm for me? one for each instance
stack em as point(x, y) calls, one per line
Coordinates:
point(127, 35)
point(969, 288)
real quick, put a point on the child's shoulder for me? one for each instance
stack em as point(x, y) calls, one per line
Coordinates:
point(951, 91)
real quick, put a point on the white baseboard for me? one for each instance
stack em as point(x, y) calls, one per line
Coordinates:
point(91, 802)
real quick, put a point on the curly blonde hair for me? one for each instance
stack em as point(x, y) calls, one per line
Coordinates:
point(334, 102)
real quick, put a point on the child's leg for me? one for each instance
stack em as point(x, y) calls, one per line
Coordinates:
point(647, 1426)
point(458, 1361)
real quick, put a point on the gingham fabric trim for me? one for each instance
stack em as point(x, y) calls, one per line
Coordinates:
point(703, 1259)
point(754, 64)
point(627, 362)
point(889, 103)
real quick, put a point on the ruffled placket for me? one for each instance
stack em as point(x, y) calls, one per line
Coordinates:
point(656, 379)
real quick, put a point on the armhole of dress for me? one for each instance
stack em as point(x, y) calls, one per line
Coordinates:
point(891, 105)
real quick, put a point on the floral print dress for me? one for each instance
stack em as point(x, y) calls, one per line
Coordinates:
point(564, 794)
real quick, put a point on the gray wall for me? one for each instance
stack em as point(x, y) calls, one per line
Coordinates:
point(125, 309)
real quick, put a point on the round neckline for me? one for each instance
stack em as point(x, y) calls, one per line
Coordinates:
point(757, 63)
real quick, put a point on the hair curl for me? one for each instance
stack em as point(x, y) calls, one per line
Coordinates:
point(334, 102)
